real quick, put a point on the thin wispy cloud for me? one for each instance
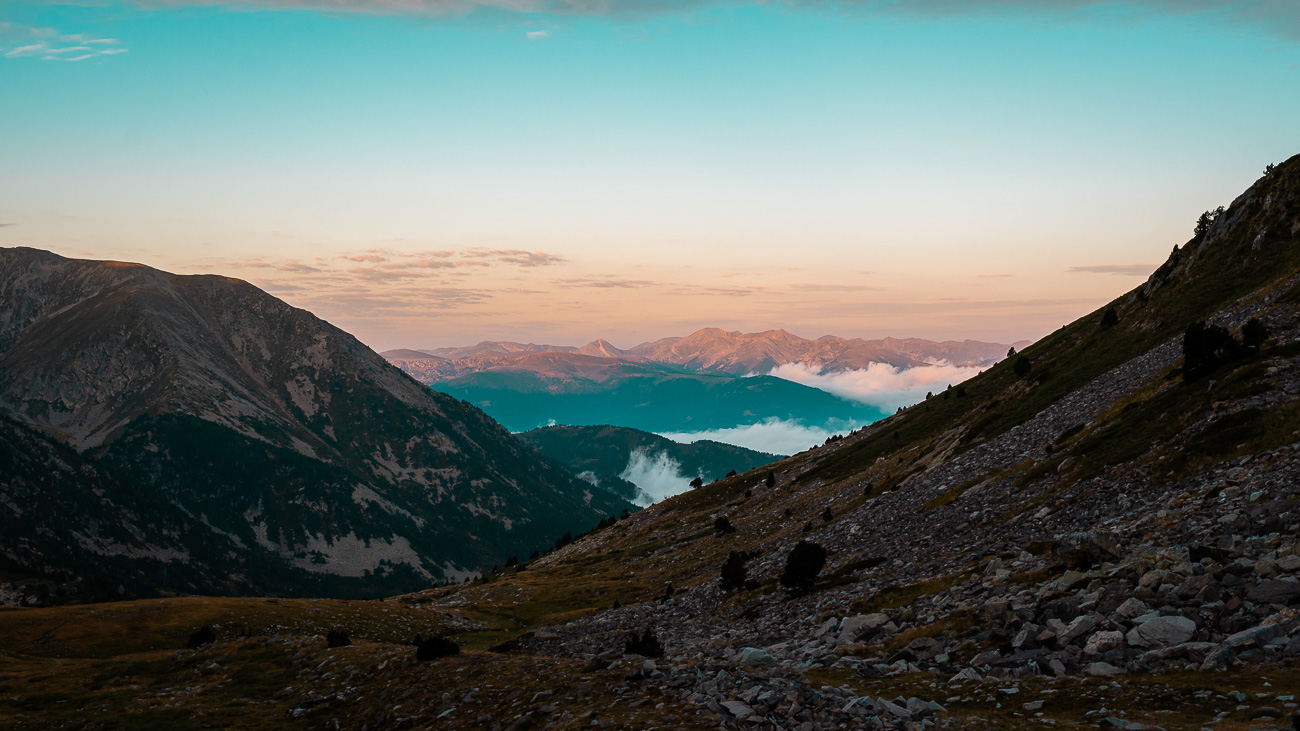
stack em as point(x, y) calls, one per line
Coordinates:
point(1280, 18)
point(991, 276)
point(1126, 270)
point(47, 44)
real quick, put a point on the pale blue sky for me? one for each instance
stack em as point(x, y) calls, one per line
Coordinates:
point(863, 171)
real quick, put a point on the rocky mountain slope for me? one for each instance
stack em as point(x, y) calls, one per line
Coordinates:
point(604, 456)
point(196, 434)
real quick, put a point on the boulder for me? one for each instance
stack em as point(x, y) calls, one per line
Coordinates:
point(738, 709)
point(1081, 626)
point(1275, 591)
point(1162, 632)
point(1104, 641)
point(1132, 607)
point(1085, 550)
point(850, 627)
point(755, 657)
point(1101, 668)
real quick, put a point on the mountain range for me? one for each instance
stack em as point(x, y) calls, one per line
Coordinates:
point(193, 433)
point(713, 350)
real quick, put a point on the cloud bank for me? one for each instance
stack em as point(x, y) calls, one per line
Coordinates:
point(774, 436)
point(658, 476)
point(880, 384)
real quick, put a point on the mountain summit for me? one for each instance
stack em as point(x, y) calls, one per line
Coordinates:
point(211, 438)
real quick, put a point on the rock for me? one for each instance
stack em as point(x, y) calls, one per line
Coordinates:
point(827, 626)
point(1081, 626)
point(1289, 563)
point(1132, 607)
point(967, 675)
point(1085, 550)
point(755, 657)
point(1119, 723)
point(1275, 591)
point(852, 626)
point(1218, 658)
point(1033, 706)
point(1162, 632)
point(1104, 642)
point(738, 709)
point(1253, 636)
point(1101, 668)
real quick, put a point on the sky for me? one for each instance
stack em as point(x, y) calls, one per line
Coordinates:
point(428, 173)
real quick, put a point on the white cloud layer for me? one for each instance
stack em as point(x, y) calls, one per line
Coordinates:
point(658, 476)
point(774, 436)
point(880, 384)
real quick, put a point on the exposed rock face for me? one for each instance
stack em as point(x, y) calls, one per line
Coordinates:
point(245, 445)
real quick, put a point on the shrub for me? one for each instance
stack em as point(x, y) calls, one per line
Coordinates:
point(1110, 318)
point(512, 561)
point(434, 648)
point(533, 557)
point(723, 525)
point(730, 474)
point(1254, 333)
point(771, 479)
point(697, 483)
point(805, 561)
point(564, 540)
point(827, 515)
point(733, 571)
point(337, 638)
point(1022, 366)
point(646, 645)
point(202, 636)
point(1205, 348)
point(1011, 352)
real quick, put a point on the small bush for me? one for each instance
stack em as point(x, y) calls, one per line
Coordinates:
point(201, 637)
point(722, 525)
point(771, 479)
point(434, 648)
point(1205, 348)
point(512, 561)
point(1254, 333)
point(827, 515)
point(1109, 319)
point(564, 540)
point(697, 483)
point(337, 638)
point(805, 561)
point(730, 474)
point(1022, 367)
point(733, 571)
point(646, 645)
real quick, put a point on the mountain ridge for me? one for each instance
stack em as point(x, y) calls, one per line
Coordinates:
point(348, 470)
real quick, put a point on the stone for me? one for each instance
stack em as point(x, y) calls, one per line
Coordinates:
point(1104, 641)
point(1101, 668)
point(827, 626)
point(967, 675)
point(1218, 658)
point(1122, 725)
point(1275, 591)
point(1132, 607)
point(1162, 632)
point(1033, 706)
point(1085, 550)
point(1081, 626)
point(852, 626)
point(1289, 563)
point(755, 657)
point(1253, 636)
point(738, 709)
